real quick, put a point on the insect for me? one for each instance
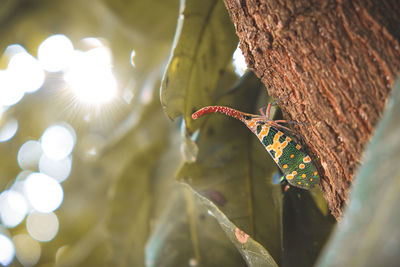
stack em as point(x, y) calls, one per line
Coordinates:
point(294, 163)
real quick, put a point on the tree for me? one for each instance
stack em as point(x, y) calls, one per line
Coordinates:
point(337, 61)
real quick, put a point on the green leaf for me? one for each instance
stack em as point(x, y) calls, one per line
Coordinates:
point(203, 46)
point(147, 27)
point(131, 195)
point(368, 234)
point(235, 172)
point(186, 235)
point(254, 253)
point(129, 209)
point(154, 20)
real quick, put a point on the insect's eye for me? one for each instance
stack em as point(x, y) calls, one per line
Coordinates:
point(246, 117)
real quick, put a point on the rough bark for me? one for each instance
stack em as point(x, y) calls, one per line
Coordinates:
point(337, 61)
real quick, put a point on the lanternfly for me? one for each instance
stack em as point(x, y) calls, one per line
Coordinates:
point(294, 163)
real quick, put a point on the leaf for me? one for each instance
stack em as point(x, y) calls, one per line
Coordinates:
point(131, 197)
point(129, 209)
point(188, 146)
point(186, 235)
point(145, 27)
point(153, 20)
point(254, 253)
point(182, 231)
point(235, 172)
point(92, 243)
point(368, 234)
point(203, 46)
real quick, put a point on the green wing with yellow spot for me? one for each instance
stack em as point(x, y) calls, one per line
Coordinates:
point(295, 164)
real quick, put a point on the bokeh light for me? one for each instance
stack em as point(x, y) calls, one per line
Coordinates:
point(90, 76)
point(27, 249)
point(13, 208)
point(8, 130)
point(58, 141)
point(43, 192)
point(42, 226)
point(57, 169)
point(7, 250)
point(239, 62)
point(55, 53)
point(9, 93)
point(20, 179)
point(25, 73)
point(12, 50)
point(92, 42)
point(19, 184)
point(29, 155)
point(37, 192)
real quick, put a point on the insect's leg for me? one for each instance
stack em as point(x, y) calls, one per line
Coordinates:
point(268, 108)
point(290, 122)
point(279, 100)
point(261, 110)
point(267, 111)
point(280, 126)
point(287, 187)
point(284, 121)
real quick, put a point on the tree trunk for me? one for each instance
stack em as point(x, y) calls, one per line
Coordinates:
point(336, 61)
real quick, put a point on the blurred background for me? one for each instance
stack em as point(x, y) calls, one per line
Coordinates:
point(80, 118)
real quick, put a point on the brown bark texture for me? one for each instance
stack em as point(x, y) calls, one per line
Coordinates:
point(336, 61)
